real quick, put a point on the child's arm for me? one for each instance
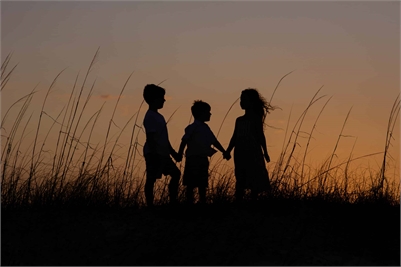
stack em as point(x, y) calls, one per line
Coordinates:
point(263, 144)
point(174, 153)
point(231, 145)
point(217, 145)
point(182, 147)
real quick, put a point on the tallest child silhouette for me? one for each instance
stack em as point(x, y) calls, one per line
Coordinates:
point(157, 148)
point(250, 146)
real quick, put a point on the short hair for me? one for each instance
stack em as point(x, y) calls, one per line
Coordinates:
point(152, 91)
point(199, 107)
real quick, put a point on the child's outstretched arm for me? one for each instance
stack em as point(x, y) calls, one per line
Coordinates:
point(231, 145)
point(174, 153)
point(217, 145)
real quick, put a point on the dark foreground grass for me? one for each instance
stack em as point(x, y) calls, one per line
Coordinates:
point(269, 232)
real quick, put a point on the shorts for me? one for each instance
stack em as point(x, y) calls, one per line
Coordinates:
point(196, 172)
point(156, 165)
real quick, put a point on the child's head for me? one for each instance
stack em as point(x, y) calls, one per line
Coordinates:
point(201, 110)
point(154, 95)
point(252, 100)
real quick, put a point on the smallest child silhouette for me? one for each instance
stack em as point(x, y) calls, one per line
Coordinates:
point(198, 139)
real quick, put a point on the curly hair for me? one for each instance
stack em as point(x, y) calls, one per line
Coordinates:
point(259, 103)
point(199, 107)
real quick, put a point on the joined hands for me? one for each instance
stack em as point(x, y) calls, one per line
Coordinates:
point(226, 155)
point(176, 156)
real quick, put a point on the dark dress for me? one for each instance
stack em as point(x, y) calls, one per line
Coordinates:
point(250, 168)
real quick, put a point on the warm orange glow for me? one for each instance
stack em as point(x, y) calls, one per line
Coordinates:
point(212, 51)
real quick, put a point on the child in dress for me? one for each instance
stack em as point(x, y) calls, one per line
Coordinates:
point(250, 146)
point(157, 148)
point(198, 139)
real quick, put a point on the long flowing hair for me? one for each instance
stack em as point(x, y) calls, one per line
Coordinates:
point(258, 104)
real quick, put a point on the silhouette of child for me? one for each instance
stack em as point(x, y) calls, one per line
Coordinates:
point(157, 148)
point(250, 146)
point(198, 138)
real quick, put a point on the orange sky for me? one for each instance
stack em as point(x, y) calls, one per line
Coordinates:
point(212, 51)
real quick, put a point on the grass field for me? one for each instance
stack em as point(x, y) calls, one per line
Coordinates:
point(76, 207)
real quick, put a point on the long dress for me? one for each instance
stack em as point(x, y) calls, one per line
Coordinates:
point(250, 168)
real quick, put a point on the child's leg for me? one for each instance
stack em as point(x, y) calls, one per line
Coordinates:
point(171, 169)
point(239, 194)
point(189, 194)
point(149, 192)
point(254, 195)
point(239, 190)
point(153, 171)
point(240, 176)
point(202, 194)
point(173, 186)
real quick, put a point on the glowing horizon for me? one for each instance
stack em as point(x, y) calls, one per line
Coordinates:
point(212, 51)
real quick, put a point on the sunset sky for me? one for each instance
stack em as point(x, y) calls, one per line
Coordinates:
point(212, 51)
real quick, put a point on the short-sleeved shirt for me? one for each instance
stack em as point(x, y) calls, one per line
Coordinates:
point(199, 139)
point(154, 122)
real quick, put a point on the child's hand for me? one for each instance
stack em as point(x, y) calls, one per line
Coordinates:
point(267, 157)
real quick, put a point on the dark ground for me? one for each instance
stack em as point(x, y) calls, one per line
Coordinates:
point(275, 233)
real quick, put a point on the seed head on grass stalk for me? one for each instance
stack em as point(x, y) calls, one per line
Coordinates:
point(111, 120)
point(33, 163)
point(335, 147)
point(80, 136)
point(88, 142)
point(135, 150)
point(310, 135)
point(74, 112)
point(345, 192)
point(14, 166)
point(116, 141)
point(128, 159)
point(7, 150)
point(5, 64)
point(16, 102)
point(296, 133)
point(323, 172)
point(61, 131)
point(71, 155)
point(395, 110)
point(6, 77)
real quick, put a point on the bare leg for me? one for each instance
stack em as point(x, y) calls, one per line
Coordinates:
point(202, 194)
point(149, 192)
point(239, 194)
point(173, 185)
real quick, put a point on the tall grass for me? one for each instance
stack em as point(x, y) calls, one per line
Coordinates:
point(92, 177)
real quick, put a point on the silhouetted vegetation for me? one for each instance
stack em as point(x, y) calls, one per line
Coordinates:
point(85, 181)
